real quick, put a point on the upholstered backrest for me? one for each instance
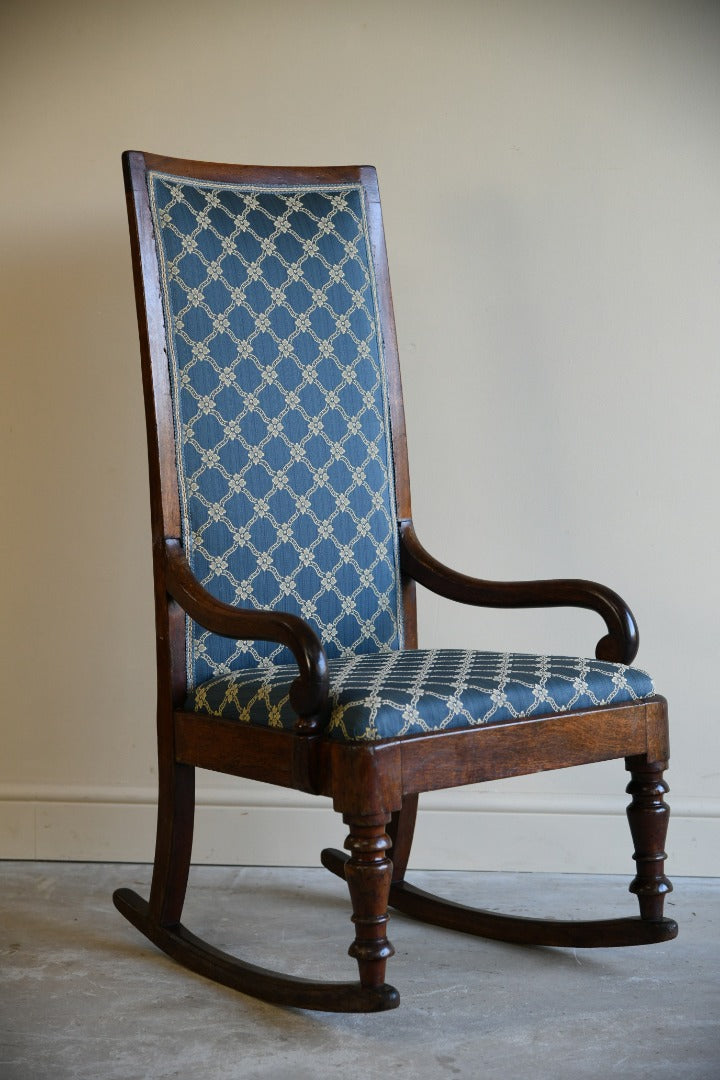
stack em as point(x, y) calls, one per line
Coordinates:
point(280, 408)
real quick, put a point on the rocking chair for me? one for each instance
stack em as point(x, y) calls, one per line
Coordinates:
point(285, 564)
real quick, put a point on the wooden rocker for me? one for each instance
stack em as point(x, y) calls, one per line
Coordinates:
point(285, 564)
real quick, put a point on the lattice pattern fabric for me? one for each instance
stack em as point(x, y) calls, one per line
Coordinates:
point(414, 692)
point(281, 414)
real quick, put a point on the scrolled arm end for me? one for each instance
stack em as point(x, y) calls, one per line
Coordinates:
point(309, 691)
point(620, 645)
point(609, 648)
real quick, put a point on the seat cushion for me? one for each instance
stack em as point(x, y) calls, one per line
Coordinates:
point(413, 692)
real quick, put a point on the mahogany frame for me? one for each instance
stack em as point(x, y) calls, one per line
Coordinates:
point(375, 786)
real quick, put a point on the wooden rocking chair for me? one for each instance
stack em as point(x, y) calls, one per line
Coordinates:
point(285, 565)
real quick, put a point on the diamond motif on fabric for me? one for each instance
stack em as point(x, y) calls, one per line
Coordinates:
point(281, 412)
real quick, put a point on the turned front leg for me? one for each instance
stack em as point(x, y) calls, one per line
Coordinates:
point(648, 815)
point(368, 873)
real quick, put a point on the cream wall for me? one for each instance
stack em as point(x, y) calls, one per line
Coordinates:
point(549, 173)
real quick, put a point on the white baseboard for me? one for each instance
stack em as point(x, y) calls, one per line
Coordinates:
point(466, 829)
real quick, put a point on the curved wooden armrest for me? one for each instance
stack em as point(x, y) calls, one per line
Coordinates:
point(619, 645)
point(309, 692)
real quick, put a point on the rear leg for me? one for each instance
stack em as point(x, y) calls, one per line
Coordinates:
point(173, 849)
point(401, 830)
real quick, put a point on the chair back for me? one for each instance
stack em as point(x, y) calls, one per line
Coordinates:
point(273, 326)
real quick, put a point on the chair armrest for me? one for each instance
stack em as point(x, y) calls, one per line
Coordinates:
point(309, 692)
point(620, 644)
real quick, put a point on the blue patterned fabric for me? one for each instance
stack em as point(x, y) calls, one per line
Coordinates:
point(413, 692)
point(281, 412)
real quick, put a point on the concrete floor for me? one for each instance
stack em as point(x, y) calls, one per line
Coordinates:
point(84, 996)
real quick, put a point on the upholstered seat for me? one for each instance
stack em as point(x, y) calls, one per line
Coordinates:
point(286, 563)
point(385, 695)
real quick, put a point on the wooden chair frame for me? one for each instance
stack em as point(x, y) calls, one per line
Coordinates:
point(374, 786)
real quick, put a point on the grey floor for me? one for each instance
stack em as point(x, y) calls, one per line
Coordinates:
point(83, 995)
